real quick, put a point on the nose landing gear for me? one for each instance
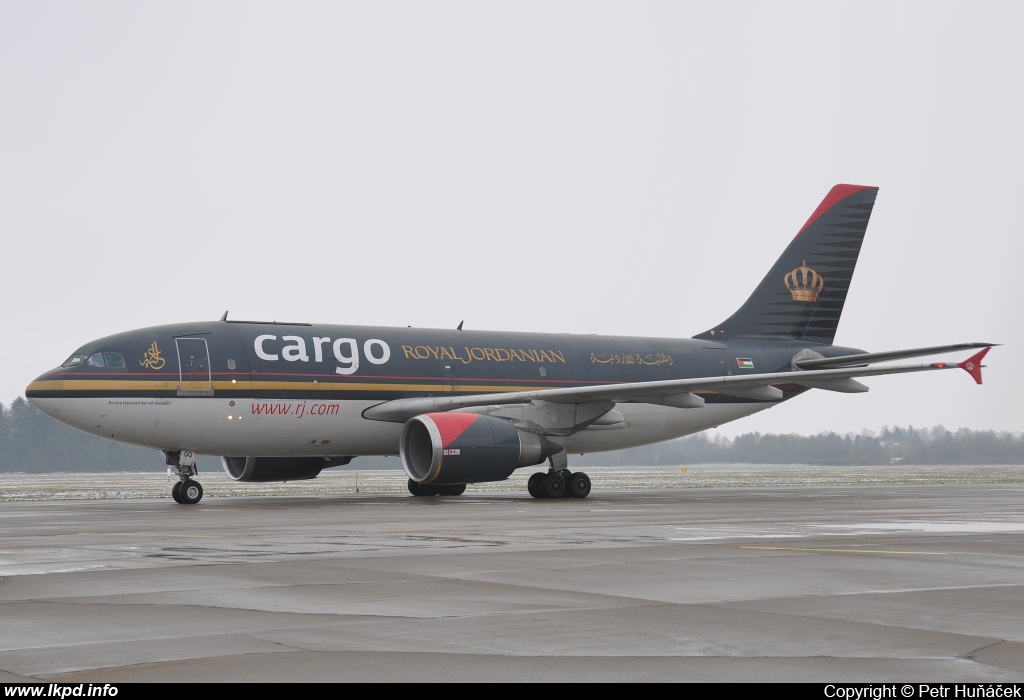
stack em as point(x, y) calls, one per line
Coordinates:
point(189, 492)
point(186, 490)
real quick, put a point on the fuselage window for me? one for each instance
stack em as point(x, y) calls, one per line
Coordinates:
point(96, 360)
point(74, 361)
point(113, 359)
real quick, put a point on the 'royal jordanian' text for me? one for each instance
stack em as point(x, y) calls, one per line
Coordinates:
point(467, 354)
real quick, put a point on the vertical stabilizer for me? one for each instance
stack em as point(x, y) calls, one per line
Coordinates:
point(802, 297)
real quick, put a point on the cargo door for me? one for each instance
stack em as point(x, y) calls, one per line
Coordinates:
point(450, 377)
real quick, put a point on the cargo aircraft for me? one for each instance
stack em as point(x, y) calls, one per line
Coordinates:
point(283, 401)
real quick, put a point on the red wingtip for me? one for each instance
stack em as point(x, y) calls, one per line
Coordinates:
point(972, 365)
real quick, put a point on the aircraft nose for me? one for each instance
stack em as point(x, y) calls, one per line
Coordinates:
point(46, 393)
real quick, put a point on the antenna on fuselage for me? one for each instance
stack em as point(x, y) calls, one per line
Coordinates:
point(224, 317)
point(459, 327)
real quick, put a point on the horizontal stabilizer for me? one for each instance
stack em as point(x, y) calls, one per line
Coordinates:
point(866, 357)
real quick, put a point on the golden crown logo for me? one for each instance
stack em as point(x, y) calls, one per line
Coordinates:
point(804, 283)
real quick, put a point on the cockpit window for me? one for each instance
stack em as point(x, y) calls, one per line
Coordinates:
point(97, 359)
point(113, 359)
point(74, 361)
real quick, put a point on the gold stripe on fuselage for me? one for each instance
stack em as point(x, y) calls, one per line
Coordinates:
point(72, 386)
point(131, 386)
point(46, 385)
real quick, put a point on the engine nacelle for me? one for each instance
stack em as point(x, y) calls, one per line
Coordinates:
point(278, 468)
point(466, 448)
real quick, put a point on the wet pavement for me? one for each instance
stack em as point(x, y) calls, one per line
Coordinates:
point(889, 579)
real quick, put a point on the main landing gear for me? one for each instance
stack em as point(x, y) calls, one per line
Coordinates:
point(418, 489)
point(558, 481)
point(186, 491)
point(559, 484)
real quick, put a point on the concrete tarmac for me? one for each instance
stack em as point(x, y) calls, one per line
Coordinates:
point(785, 583)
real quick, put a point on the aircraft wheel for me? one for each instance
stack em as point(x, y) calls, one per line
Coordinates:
point(567, 480)
point(176, 492)
point(190, 493)
point(554, 486)
point(579, 485)
point(453, 490)
point(536, 484)
point(430, 490)
point(414, 488)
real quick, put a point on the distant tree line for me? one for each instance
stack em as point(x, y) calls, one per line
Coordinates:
point(888, 446)
point(31, 442)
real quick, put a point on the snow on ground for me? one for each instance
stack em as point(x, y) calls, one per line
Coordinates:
point(38, 487)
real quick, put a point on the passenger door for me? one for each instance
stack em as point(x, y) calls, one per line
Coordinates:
point(193, 367)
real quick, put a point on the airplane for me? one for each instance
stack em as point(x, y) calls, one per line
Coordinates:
point(283, 401)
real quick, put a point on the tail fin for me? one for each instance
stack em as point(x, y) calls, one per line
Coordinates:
point(802, 296)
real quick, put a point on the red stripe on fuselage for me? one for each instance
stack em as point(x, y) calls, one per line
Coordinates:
point(274, 376)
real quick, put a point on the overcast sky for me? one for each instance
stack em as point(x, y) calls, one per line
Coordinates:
point(629, 168)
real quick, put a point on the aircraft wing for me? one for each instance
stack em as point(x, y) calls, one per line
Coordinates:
point(672, 392)
point(868, 357)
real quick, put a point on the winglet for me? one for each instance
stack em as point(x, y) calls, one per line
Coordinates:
point(972, 365)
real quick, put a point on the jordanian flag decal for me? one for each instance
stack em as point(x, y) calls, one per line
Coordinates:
point(745, 363)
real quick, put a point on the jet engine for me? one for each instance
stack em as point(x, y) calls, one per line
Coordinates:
point(278, 468)
point(465, 448)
